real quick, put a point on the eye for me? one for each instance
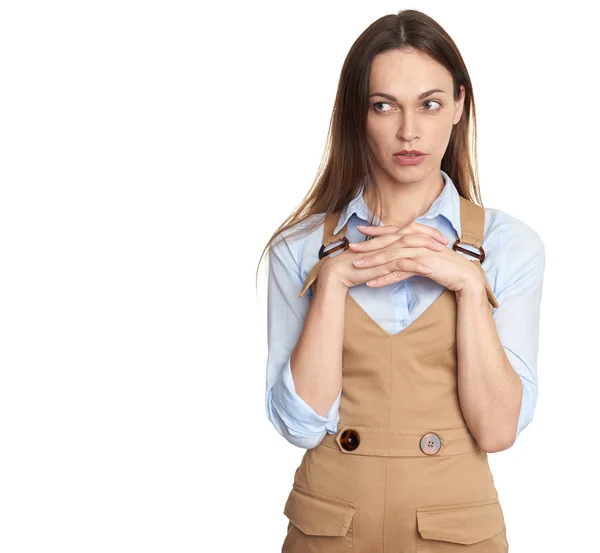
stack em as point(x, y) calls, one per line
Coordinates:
point(377, 110)
point(435, 102)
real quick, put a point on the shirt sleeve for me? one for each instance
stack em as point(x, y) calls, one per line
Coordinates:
point(518, 316)
point(293, 418)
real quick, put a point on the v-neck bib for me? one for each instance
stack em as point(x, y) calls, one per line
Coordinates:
point(415, 324)
point(403, 472)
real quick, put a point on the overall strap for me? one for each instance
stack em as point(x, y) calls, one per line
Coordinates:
point(472, 220)
point(328, 238)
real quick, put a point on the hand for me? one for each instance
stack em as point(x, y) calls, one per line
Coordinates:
point(414, 237)
point(392, 250)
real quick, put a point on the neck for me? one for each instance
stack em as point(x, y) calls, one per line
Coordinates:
point(403, 202)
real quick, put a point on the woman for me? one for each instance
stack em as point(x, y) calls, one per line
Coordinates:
point(392, 358)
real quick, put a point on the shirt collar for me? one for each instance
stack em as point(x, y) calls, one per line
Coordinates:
point(446, 204)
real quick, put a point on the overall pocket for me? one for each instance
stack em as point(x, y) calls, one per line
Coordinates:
point(477, 527)
point(318, 523)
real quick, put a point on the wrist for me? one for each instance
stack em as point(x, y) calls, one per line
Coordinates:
point(328, 280)
point(472, 288)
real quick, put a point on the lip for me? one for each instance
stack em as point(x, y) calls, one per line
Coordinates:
point(409, 160)
point(409, 152)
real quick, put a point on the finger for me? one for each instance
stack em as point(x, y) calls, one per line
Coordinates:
point(404, 240)
point(413, 228)
point(385, 279)
point(389, 256)
point(375, 244)
point(408, 267)
point(419, 228)
point(375, 230)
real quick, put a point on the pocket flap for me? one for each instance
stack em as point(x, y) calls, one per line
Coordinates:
point(317, 515)
point(464, 523)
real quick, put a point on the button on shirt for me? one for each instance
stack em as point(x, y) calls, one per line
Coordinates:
point(514, 266)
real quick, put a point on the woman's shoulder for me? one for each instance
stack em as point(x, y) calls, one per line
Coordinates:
point(513, 248)
point(303, 241)
point(510, 232)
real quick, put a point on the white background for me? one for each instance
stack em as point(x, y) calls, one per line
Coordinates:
point(148, 151)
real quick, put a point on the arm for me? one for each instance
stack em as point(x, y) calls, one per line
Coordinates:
point(305, 344)
point(497, 352)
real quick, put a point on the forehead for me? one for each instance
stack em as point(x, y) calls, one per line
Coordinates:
point(407, 73)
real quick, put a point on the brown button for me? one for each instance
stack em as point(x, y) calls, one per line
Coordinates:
point(430, 444)
point(349, 439)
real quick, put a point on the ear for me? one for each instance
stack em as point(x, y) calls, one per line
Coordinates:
point(459, 104)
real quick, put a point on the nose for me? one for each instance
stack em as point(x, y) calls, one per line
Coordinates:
point(407, 131)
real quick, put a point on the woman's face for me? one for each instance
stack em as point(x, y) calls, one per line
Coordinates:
point(398, 118)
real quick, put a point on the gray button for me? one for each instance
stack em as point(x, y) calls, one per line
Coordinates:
point(430, 444)
point(403, 322)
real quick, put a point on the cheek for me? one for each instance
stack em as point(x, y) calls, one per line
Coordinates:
point(440, 136)
point(378, 134)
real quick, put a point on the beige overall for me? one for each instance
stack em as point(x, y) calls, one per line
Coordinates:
point(403, 474)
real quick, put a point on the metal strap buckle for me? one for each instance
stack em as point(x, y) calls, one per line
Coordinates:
point(344, 245)
point(480, 255)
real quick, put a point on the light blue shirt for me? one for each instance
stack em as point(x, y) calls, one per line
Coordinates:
point(514, 266)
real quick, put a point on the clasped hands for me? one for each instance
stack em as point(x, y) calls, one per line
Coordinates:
point(412, 249)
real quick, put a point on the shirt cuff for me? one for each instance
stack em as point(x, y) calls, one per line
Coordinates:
point(529, 393)
point(528, 402)
point(301, 420)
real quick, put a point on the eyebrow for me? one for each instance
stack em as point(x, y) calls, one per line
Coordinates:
point(420, 97)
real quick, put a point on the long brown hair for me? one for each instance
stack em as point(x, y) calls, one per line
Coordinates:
point(347, 160)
